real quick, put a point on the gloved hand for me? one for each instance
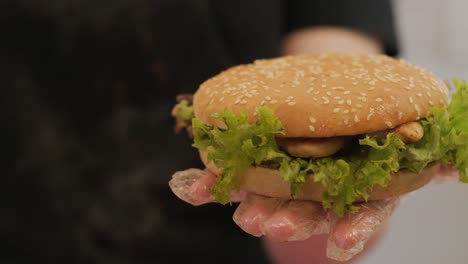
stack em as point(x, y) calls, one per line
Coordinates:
point(290, 220)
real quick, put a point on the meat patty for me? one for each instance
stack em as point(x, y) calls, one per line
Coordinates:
point(312, 147)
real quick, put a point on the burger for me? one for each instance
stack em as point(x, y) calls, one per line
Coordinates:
point(340, 129)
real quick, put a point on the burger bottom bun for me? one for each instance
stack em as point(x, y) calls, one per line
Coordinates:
point(268, 182)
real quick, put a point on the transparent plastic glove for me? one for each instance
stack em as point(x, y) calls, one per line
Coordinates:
point(193, 186)
point(349, 234)
point(446, 174)
point(290, 220)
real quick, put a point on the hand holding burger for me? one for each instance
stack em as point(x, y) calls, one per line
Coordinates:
point(353, 132)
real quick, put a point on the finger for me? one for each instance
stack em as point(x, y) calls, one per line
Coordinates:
point(447, 173)
point(253, 211)
point(349, 234)
point(296, 220)
point(193, 186)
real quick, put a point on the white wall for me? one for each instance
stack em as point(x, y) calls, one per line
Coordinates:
point(432, 226)
point(434, 33)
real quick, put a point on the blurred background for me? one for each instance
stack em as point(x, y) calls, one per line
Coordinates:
point(429, 227)
point(88, 145)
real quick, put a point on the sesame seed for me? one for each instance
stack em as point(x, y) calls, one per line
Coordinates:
point(431, 103)
point(291, 103)
point(349, 102)
point(387, 89)
point(325, 98)
point(356, 119)
point(418, 110)
point(369, 116)
point(312, 120)
point(262, 102)
point(243, 101)
point(346, 92)
point(268, 98)
point(326, 102)
point(336, 110)
point(400, 115)
point(329, 93)
point(378, 99)
point(359, 105)
point(341, 102)
point(353, 110)
point(419, 94)
point(429, 94)
point(346, 121)
point(337, 97)
point(363, 94)
point(388, 123)
point(273, 101)
point(346, 111)
point(312, 128)
point(410, 99)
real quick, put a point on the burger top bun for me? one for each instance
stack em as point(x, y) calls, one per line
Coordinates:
point(325, 95)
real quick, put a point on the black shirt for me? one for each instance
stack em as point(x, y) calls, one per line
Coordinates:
point(102, 79)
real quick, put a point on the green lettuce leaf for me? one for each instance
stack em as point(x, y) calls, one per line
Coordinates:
point(183, 114)
point(350, 178)
point(183, 110)
point(445, 136)
point(238, 146)
point(241, 145)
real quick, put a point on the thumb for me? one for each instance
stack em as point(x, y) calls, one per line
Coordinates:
point(193, 186)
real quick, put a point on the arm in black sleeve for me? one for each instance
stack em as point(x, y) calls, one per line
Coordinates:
point(374, 17)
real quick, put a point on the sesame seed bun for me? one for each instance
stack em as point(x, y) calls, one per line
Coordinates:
point(325, 95)
point(268, 182)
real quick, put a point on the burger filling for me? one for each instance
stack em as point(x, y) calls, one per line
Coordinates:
point(312, 147)
point(323, 147)
point(348, 167)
